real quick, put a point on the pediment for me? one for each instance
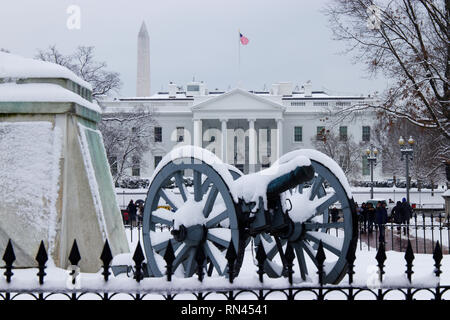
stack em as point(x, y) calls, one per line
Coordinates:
point(238, 99)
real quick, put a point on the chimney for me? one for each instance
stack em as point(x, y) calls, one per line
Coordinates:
point(172, 90)
point(308, 89)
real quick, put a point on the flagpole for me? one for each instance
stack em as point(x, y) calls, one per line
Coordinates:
point(239, 53)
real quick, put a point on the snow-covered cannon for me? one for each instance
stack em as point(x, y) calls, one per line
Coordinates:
point(286, 203)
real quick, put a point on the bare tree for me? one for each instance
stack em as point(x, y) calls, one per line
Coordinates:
point(408, 42)
point(430, 150)
point(127, 137)
point(344, 150)
point(82, 62)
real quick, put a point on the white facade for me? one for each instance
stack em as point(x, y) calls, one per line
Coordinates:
point(247, 129)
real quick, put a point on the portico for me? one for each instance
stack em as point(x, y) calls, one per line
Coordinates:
point(222, 125)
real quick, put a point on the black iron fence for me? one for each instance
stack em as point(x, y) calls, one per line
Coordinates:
point(422, 230)
point(263, 290)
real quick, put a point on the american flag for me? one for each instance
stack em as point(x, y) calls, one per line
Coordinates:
point(244, 40)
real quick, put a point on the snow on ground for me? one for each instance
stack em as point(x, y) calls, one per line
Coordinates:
point(365, 275)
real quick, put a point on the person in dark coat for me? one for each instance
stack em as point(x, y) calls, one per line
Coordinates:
point(406, 214)
point(334, 214)
point(396, 215)
point(132, 212)
point(363, 217)
point(370, 216)
point(381, 219)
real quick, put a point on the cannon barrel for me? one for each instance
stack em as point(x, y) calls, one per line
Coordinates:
point(289, 180)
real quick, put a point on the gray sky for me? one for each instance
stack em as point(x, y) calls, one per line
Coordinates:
point(290, 40)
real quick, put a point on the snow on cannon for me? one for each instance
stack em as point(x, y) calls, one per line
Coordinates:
point(288, 202)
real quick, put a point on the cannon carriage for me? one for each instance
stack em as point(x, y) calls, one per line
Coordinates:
point(286, 203)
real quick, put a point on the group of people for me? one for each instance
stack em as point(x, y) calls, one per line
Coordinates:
point(370, 216)
point(134, 213)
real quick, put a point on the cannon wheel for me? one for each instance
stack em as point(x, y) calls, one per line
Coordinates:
point(208, 217)
point(326, 190)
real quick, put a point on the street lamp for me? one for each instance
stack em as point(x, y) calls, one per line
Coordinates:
point(407, 155)
point(372, 154)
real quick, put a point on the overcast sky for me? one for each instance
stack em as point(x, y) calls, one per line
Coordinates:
point(290, 40)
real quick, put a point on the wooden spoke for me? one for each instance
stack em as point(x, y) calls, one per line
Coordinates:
point(180, 256)
point(216, 256)
point(301, 260)
point(310, 252)
point(198, 186)
point(189, 268)
point(180, 185)
point(205, 185)
point(325, 202)
point(162, 220)
point(215, 220)
point(169, 201)
point(329, 242)
point(175, 246)
point(221, 236)
point(316, 187)
point(212, 195)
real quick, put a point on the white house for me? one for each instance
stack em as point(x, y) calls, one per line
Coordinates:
point(248, 129)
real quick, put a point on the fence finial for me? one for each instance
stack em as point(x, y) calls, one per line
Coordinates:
point(106, 258)
point(9, 257)
point(409, 257)
point(169, 258)
point(320, 257)
point(41, 259)
point(74, 256)
point(261, 258)
point(290, 256)
point(138, 258)
point(381, 258)
point(437, 257)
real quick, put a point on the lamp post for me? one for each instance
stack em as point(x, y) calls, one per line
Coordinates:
point(372, 154)
point(407, 155)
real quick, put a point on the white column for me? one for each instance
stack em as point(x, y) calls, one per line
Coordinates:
point(279, 138)
point(252, 145)
point(224, 140)
point(198, 132)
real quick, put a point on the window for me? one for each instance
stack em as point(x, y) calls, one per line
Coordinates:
point(343, 104)
point(157, 160)
point(180, 134)
point(365, 166)
point(193, 87)
point(298, 103)
point(343, 133)
point(158, 134)
point(320, 104)
point(366, 133)
point(320, 133)
point(136, 169)
point(298, 137)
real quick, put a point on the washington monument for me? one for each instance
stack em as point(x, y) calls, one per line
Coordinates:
point(143, 63)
